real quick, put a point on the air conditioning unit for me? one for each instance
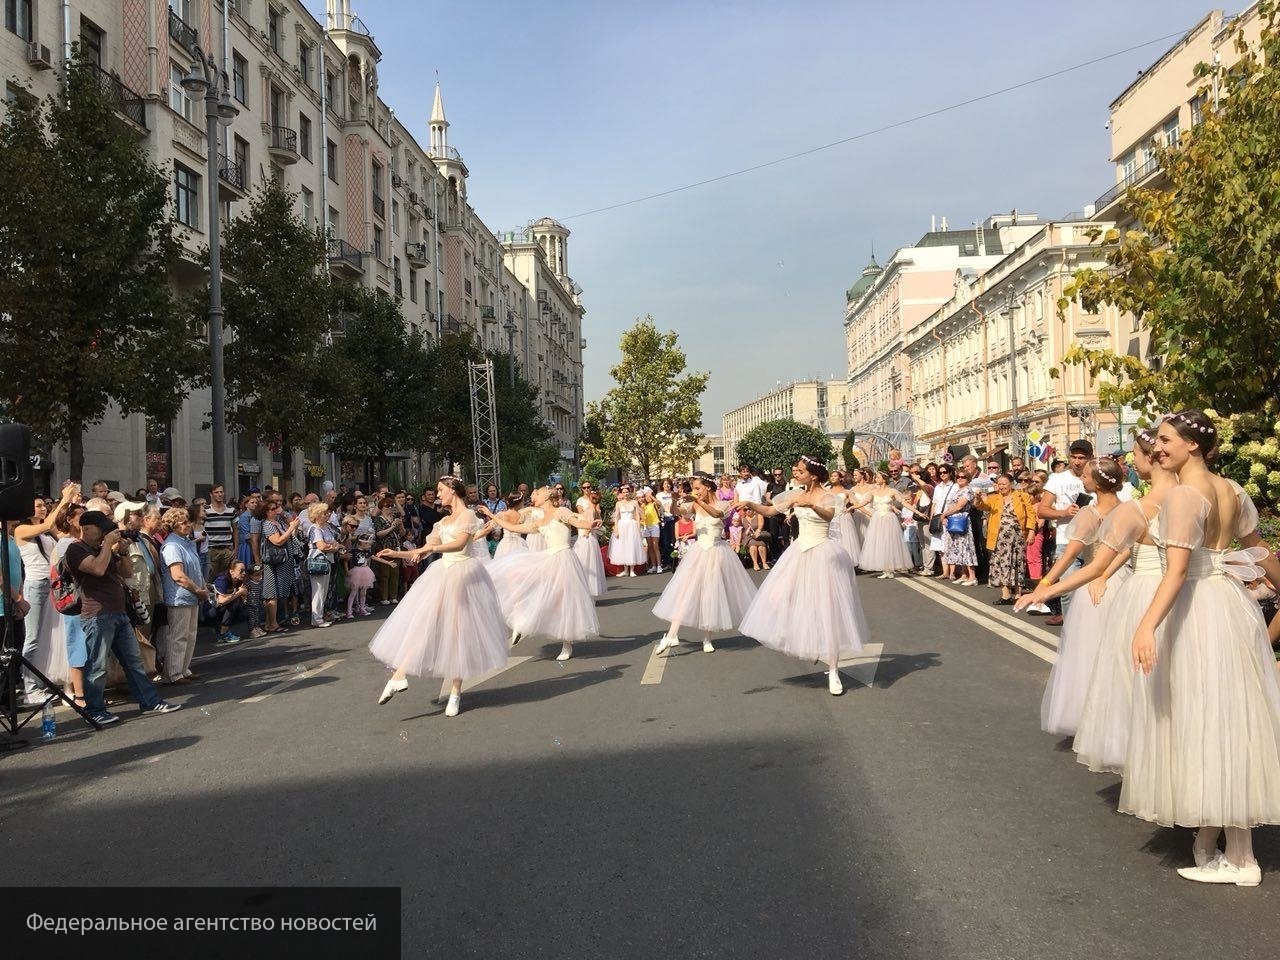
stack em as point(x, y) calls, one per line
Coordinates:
point(39, 57)
point(427, 212)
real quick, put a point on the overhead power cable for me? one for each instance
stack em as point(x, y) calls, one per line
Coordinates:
point(881, 129)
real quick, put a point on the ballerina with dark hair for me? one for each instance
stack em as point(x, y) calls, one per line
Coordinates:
point(808, 606)
point(511, 542)
point(709, 591)
point(449, 624)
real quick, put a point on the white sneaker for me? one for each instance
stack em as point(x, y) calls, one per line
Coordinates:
point(566, 651)
point(833, 683)
point(707, 647)
point(392, 688)
point(659, 569)
point(455, 704)
point(1038, 608)
point(384, 603)
point(1221, 870)
point(322, 623)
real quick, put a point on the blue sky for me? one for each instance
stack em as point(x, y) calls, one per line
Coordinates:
point(559, 108)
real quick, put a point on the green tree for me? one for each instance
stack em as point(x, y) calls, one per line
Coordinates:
point(652, 419)
point(849, 451)
point(1201, 268)
point(385, 378)
point(780, 443)
point(281, 377)
point(87, 316)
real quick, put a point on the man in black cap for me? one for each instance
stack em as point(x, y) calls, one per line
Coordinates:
point(100, 563)
point(1059, 503)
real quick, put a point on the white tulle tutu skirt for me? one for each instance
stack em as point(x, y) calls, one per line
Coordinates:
point(360, 577)
point(626, 546)
point(1204, 748)
point(844, 530)
point(884, 549)
point(710, 590)
point(1102, 736)
point(535, 542)
point(479, 549)
point(544, 595)
point(510, 543)
point(448, 625)
point(587, 549)
point(808, 606)
point(1078, 645)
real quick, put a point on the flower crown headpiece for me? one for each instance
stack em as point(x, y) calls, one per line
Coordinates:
point(1183, 418)
point(1100, 468)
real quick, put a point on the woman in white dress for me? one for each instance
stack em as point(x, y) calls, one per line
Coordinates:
point(844, 528)
point(861, 494)
point(710, 590)
point(1127, 535)
point(587, 548)
point(808, 606)
point(1204, 750)
point(884, 549)
point(1082, 629)
point(544, 594)
point(534, 516)
point(626, 546)
point(511, 542)
point(449, 624)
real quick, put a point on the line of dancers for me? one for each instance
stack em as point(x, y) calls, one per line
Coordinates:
point(1165, 673)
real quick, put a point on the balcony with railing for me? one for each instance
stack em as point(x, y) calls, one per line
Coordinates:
point(231, 178)
point(444, 153)
point(1138, 175)
point(182, 33)
point(128, 103)
point(487, 313)
point(351, 22)
point(416, 254)
point(344, 259)
point(284, 145)
point(451, 325)
point(380, 206)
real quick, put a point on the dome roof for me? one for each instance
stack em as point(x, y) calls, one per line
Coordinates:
point(548, 223)
point(864, 282)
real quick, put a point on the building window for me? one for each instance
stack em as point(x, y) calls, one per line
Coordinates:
point(413, 285)
point(1197, 109)
point(239, 73)
point(331, 159)
point(1170, 132)
point(179, 102)
point(304, 136)
point(329, 81)
point(304, 62)
point(1129, 166)
point(186, 196)
point(377, 242)
point(17, 18)
point(379, 205)
point(91, 41)
point(308, 205)
point(395, 217)
point(273, 28)
point(241, 152)
point(332, 225)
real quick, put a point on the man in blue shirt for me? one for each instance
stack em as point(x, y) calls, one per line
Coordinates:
point(184, 591)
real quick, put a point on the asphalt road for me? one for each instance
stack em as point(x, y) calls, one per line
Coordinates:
point(726, 807)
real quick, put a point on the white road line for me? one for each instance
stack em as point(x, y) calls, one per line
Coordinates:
point(862, 666)
point(654, 668)
point(303, 675)
point(1029, 627)
point(472, 682)
point(1017, 639)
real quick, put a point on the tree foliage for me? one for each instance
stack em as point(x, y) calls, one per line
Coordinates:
point(849, 451)
point(87, 317)
point(380, 400)
point(1201, 269)
point(281, 376)
point(651, 421)
point(780, 443)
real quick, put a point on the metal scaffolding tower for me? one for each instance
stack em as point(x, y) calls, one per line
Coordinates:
point(484, 425)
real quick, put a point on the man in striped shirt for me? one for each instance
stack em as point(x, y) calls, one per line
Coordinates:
point(220, 529)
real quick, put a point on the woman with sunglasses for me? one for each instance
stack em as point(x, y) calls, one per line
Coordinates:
point(626, 546)
point(586, 547)
point(808, 607)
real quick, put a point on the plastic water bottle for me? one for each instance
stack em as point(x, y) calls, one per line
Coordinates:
point(48, 726)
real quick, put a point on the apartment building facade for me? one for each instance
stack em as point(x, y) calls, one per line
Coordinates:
point(307, 110)
point(822, 404)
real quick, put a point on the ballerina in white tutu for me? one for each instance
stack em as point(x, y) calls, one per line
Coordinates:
point(1204, 750)
point(808, 606)
point(710, 590)
point(1082, 629)
point(884, 547)
point(587, 548)
point(511, 542)
point(449, 624)
point(626, 546)
point(1127, 535)
point(533, 516)
point(844, 528)
point(544, 594)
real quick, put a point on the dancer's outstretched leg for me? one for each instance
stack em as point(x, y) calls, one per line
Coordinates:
point(397, 684)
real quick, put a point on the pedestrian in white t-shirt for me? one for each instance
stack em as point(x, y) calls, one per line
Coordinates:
point(749, 488)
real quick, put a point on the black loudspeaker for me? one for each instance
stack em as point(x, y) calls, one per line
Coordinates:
point(17, 482)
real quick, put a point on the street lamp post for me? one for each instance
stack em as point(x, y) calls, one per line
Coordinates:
point(206, 78)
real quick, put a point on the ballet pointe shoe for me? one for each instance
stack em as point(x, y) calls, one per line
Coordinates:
point(667, 643)
point(392, 688)
point(515, 638)
point(833, 683)
point(566, 651)
point(455, 704)
point(708, 647)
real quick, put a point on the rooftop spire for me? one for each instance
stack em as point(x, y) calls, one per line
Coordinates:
point(437, 108)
